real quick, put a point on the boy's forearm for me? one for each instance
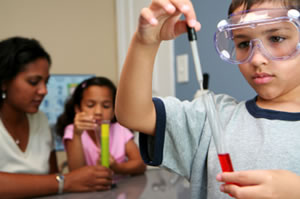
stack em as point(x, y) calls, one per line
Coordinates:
point(134, 106)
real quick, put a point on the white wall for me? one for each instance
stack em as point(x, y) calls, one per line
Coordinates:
point(79, 35)
point(127, 15)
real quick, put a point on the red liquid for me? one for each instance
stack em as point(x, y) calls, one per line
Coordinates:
point(225, 162)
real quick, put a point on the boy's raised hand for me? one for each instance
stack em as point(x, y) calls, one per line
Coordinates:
point(160, 21)
point(261, 184)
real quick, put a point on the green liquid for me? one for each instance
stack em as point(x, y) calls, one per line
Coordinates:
point(105, 151)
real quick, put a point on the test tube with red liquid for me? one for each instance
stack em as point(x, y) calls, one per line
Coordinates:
point(211, 109)
point(218, 136)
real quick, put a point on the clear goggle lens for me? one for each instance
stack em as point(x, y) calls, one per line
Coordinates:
point(277, 37)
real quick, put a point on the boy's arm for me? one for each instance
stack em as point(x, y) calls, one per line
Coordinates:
point(134, 106)
point(160, 21)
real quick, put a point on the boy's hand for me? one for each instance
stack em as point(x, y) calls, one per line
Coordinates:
point(261, 184)
point(83, 121)
point(160, 21)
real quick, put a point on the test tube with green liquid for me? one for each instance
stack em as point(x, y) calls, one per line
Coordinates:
point(105, 143)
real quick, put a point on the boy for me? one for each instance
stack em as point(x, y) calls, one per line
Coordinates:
point(262, 133)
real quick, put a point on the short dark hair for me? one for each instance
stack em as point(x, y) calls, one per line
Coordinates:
point(15, 54)
point(67, 117)
point(247, 4)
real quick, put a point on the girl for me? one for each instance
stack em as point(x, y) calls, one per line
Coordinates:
point(92, 102)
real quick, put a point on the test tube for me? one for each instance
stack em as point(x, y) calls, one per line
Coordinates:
point(211, 109)
point(97, 131)
point(217, 134)
point(105, 124)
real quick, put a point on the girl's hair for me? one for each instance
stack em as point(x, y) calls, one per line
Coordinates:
point(15, 54)
point(247, 4)
point(67, 117)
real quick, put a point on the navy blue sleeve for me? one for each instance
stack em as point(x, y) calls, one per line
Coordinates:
point(151, 147)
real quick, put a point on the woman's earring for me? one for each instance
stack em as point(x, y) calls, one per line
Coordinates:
point(3, 95)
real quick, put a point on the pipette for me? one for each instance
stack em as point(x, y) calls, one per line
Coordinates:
point(209, 102)
point(193, 41)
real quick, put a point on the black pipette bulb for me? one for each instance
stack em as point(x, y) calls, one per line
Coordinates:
point(191, 33)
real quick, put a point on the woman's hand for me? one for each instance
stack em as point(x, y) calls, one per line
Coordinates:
point(261, 184)
point(88, 178)
point(160, 21)
point(82, 122)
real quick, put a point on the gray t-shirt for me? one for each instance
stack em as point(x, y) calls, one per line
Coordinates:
point(256, 139)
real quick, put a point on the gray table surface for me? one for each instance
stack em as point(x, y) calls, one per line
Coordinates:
point(154, 184)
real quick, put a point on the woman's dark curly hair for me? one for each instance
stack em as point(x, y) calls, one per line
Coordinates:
point(67, 117)
point(247, 4)
point(15, 54)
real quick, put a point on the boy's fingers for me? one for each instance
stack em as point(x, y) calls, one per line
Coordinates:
point(246, 192)
point(242, 177)
point(168, 6)
point(147, 15)
point(158, 7)
point(182, 6)
point(181, 27)
point(187, 9)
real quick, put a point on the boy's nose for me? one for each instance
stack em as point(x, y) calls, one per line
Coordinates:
point(258, 57)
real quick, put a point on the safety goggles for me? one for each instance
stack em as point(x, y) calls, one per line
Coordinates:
point(274, 32)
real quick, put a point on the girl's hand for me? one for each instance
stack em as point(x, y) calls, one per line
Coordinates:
point(160, 21)
point(261, 184)
point(112, 161)
point(83, 121)
point(113, 164)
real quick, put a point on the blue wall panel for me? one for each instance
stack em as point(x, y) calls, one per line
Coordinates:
point(224, 77)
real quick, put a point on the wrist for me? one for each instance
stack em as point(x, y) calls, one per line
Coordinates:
point(60, 178)
point(77, 132)
point(140, 42)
